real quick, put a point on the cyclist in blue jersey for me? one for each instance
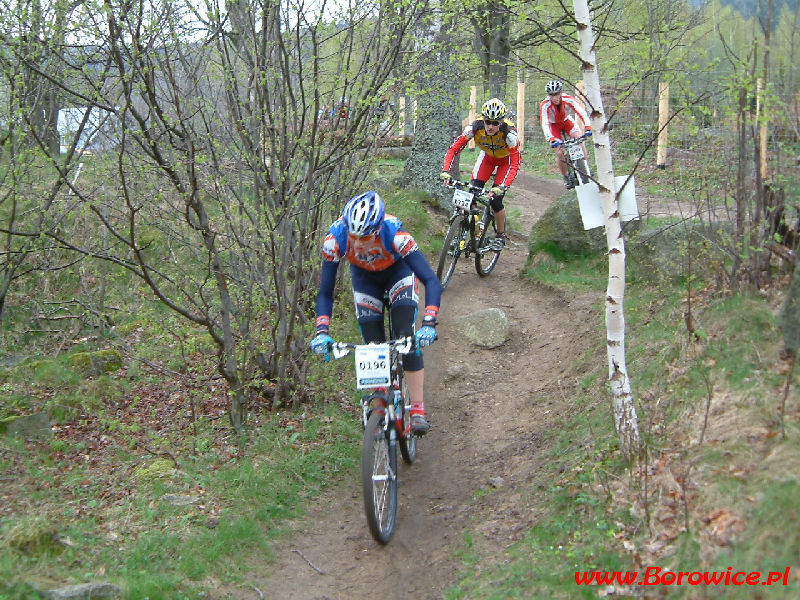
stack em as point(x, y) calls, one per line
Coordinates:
point(383, 256)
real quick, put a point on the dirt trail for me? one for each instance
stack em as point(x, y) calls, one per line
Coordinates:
point(485, 427)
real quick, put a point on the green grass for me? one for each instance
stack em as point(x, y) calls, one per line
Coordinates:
point(157, 550)
point(577, 273)
point(734, 351)
point(575, 530)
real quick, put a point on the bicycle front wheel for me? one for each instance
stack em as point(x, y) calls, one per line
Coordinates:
point(487, 254)
point(454, 244)
point(379, 479)
point(407, 441)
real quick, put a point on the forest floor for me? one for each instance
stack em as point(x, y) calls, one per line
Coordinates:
point(477, 467)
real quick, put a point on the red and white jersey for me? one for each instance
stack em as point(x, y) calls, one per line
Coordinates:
point(551, 114)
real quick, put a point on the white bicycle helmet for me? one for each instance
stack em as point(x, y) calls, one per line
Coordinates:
point(363, 214)
point(554, 86)
point(493, 109)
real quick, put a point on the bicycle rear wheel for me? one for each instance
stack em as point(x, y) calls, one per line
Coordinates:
point(379, 479)
point(454, 243)
point(486, 256)
point(407, 441)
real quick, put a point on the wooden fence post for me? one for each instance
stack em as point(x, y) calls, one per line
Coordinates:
point(663, 119)
point(521, 109)
point(473, 111)
point(762, 128)
point(401, 113)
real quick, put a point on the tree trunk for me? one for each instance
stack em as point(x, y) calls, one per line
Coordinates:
point(438, 122)
point(625, 418)
point(492, 23)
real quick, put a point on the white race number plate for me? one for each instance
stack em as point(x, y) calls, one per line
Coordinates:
point(462, 199)
point(372, 366)
point(576, 152)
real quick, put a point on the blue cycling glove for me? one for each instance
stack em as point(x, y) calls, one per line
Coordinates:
point(425, 336)
point(587, 133)
point(555, 143)
point(321, 344)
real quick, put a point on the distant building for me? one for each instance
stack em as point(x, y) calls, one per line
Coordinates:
point(100, 133)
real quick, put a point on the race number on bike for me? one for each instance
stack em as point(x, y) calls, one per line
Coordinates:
point(575, 151)
point(372, 366)
point(462, 199)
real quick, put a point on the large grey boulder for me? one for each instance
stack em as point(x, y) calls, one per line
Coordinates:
point(85, 591)
point(487, 328)
point(36, 425)
point(560, 230)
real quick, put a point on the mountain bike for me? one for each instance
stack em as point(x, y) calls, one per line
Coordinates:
point(386, 416)
point(472, 230)
point(577, 166)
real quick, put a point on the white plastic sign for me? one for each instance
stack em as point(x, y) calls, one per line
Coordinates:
point(591, 204)
point(373, 367)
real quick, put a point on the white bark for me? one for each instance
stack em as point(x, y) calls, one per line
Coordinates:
point(624, 410)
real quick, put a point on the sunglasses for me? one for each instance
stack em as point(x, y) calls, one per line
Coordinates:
point(489, 122)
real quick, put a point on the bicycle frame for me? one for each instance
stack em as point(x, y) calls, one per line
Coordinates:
point(384, 429)
point(575, 157)
point(396, 348)
point(471, 207)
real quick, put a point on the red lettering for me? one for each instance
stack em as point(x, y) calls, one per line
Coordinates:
point(659, 576)
point(647, 575)
point(629, 577)
point(605, 578)
point(583, 578)
point(695, 578)
point(714, 578)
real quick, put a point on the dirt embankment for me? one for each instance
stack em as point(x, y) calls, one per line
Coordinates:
point(486, 433)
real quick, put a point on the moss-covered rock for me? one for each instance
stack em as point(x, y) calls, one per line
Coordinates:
point(160, 467)
point(33, 535)
point(96, 363)
point(29, 426)
point(673, 251)
point(790, 314)
point(487, 328)
point(560, 230)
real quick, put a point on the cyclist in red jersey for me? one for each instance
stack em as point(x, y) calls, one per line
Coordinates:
point(497, 138)
point(556, 120)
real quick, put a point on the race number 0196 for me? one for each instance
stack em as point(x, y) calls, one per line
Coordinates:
point(372, 366)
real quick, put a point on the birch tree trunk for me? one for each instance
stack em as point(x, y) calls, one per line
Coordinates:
point(625, 418)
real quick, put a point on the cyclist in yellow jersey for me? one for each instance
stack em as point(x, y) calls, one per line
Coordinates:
point(498, 140)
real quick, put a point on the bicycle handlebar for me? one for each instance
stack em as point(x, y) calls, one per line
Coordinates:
point(480, 194)
point(404, 345)
point(457, 183)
